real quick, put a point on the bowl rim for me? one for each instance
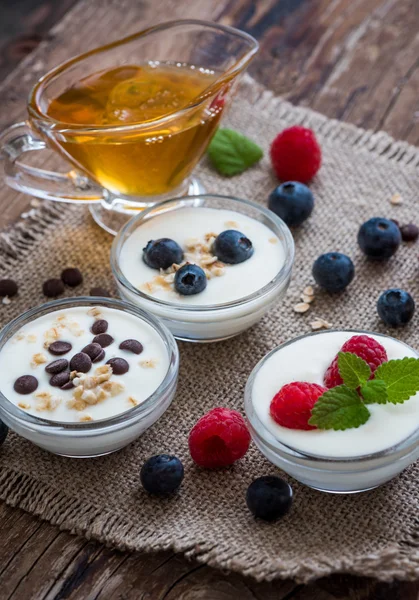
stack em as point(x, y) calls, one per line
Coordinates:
point(293, 454)
point(119, 420)
point(196, 201)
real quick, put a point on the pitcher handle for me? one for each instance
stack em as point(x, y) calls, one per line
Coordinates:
point(49, 185)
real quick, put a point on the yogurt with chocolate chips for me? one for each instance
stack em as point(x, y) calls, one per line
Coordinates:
point(82, 364)
point(209, 269)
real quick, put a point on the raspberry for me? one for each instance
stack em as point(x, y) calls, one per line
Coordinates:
point(296, 154)
point(219, 438)
point(291, 406)
point(363, 346)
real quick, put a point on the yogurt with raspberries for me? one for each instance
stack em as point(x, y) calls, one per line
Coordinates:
point(335, 461)
point(235, 295)
point(83, 377)
point(307, 360)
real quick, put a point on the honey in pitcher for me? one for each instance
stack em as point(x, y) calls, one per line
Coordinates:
point(159, 154)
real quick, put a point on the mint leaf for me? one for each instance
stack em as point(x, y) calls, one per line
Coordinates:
point(353, 370)
point(339, 408)
point(375, 392)
point(231, 152)
point(401, 378)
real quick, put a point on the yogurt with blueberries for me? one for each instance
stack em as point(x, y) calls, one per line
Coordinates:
point(82, 364)
point(182, 263)
point(201, 256)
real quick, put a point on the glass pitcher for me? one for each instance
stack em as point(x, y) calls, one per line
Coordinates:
point(132, 118)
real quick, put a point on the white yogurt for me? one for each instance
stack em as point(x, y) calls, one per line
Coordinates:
point(190, 224)
point(307, 360)
point(26, 354)
point(204, 316)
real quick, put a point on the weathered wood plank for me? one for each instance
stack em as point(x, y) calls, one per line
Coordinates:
point(23, 25)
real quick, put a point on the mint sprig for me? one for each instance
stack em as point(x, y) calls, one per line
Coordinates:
point(339, 408)
point(231, 153)
point(401, 378)
point(374, 392)
point(344, 406)
point(353, 370)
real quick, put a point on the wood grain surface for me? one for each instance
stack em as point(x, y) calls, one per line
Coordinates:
point(355, 60)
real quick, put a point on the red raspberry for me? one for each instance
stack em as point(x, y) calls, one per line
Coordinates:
point(291, 406)
point(219, 438)
point(296, 154)
point(363, 346)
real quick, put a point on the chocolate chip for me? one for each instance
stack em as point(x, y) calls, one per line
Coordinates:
point(81, 362)
point(8, 287)
point(99, 291)
point(53, 288)
point(67, 386)
point(119, 365)
point(410, 232)
point(25, 384)
point(132, 346)
point(71, 277)
point(100, 326)
point(94, 351)
point(59, 348)
point(100, 356)
point(103, 339)
point(60, 379)
point(57, 366)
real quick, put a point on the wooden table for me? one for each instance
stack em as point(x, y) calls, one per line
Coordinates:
point(356, 60)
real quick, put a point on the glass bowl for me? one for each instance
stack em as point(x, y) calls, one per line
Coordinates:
point(89, 439)
point(215, 322)
point(340, 474)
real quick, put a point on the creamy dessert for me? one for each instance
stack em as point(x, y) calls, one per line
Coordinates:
point(195, 230)
point(337, 410)
point(308, 359)
point(82, 364)
point(207, 268)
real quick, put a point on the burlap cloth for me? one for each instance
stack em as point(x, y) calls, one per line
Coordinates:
point(374, 533)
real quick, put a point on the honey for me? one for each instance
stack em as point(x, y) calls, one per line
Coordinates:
point(142, 128)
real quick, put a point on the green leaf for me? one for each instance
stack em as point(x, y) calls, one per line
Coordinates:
point(353, 370)
point(339, 408)
point(231, 152)
point(375, 392)
point(401, 377)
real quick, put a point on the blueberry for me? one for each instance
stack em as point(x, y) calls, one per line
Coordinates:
point(161, 474)
point(190, 280)
point(4, 430)
point(379, 238)
point(162, 253)
point(292, 201)
point(269, 497)
point(333, 271)
point(395, 307)
point(232, 247)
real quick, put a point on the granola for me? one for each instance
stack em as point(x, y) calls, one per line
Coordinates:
point(151, 363)
point(197, 252)
point(46, 401)
point(38, 359)
point(92, 389)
